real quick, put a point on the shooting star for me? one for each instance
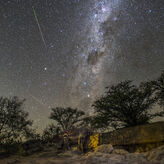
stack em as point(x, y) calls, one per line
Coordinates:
point(37, 21)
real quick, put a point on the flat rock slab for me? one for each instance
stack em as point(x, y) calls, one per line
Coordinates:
point(149, 133)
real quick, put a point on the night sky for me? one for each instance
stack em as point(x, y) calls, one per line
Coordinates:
point(76, 49)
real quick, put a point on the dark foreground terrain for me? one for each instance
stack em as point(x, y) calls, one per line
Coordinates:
point(104, 154)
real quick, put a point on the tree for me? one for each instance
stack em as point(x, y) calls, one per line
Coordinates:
point(159, 88)
point(67, 118)
point(14, 122)
point(95, 123)
point(49, 132)
point(125, 105)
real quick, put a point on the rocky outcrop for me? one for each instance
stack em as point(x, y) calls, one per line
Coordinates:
point(106, 154)
point(148, 133)
point(156, 155)
point(133, 139)
point(136, 139)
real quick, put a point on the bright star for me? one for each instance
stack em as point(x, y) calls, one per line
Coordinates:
point(103, 9)
point(84, 83)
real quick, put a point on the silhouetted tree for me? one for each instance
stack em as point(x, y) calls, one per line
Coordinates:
point(14, 122)
point(159, 88)
point(95, 122)
point(49, 132)
point(67, 118)
point(125, 105)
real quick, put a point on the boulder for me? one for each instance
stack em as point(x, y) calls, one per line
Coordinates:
point(156, 155)
point(105, 154)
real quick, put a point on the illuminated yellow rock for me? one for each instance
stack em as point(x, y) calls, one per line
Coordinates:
point(94, 141)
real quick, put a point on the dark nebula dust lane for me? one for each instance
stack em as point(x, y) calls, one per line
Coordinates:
point(64, 53)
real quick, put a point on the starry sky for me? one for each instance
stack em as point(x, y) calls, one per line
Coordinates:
point(65, 52)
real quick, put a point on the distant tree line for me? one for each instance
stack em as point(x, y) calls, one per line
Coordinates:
point(122, 105)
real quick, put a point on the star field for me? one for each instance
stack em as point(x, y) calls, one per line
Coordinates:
point(81, 47)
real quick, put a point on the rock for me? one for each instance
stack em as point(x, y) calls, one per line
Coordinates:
point(105, 154)
point(132, 157)
point(156, 155)
point(107, 148)
point(134, 139)
point(120, 151)
point(101, 158)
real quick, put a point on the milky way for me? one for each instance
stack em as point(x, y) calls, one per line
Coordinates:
point(87, 80)
point(89, 45)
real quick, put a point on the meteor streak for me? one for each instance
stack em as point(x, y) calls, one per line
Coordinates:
point(37, 21)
